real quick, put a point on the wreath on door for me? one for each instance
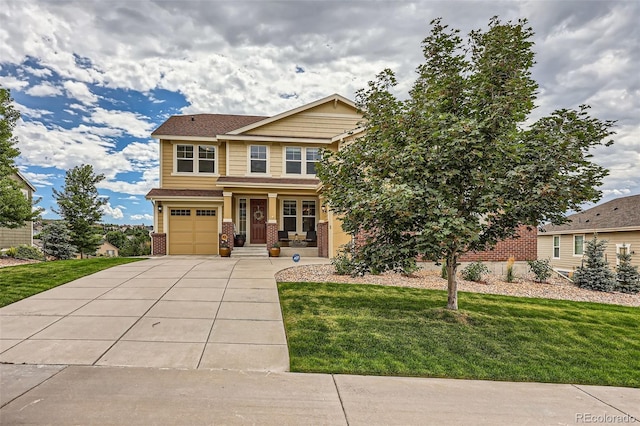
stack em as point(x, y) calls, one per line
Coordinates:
point(258, 215)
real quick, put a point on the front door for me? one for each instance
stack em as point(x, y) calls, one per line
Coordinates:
point(258, 212)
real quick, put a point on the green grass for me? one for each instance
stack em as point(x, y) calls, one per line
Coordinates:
point(18, 282)
point(380, 330)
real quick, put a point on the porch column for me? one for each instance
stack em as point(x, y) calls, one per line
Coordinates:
point(227, 217)
point(272, 220)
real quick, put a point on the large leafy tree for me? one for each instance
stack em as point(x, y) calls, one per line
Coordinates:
point(453, 168)
point(80, 206)
point(15, 208)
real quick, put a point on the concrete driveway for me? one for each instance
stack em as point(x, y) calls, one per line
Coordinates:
point(170, 312)
point(200, 340)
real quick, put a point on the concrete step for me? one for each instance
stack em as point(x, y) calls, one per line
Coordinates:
point(250, 251)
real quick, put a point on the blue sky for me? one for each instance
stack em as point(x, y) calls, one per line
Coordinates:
point(93, 79)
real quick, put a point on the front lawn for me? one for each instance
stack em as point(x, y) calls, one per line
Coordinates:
point(19, 282)
point(382, 330)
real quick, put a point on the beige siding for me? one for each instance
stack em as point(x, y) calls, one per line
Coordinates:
point(308, 125)
point(337, 236)
point(171, 181)
point(569, 262)
point(237, 158)
point(15, 237)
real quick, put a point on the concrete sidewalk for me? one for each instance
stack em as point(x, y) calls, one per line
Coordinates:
point(200, 340)
point(58, 395)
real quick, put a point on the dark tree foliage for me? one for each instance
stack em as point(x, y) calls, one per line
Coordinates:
point(80, 206)
point(453, 169)
point(595, 274)
point(627, 276)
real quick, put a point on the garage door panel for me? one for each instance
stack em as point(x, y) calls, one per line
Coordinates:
point(193, 231)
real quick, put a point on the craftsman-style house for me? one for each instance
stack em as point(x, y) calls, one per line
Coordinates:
point(223, 175)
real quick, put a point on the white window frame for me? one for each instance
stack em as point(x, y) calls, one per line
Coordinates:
point(303, 161)
point(285, 216)
point(553, 247)
point(574, 245)
point(306, 161)
point(299, 218)
point(267, 172)
point(618, 247)
point(196, 160)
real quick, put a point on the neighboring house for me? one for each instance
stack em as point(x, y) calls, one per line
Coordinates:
point(24, 235)
point(255, 175)
point(252, 175)
point(107, 249)
point(617, 221)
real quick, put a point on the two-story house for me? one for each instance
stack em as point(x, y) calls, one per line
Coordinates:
point(237, 174)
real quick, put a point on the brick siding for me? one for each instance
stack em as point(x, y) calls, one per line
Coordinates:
point(272, 234)
point(158, 244)
point(523, 248)
point(323, 239)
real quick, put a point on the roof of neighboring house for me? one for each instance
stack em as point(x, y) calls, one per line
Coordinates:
point(21, 176)
point(204, 125)
point(158, 192)
point(619, 213)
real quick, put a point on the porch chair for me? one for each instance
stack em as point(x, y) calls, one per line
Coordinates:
point(283, 238)
point(311, 238)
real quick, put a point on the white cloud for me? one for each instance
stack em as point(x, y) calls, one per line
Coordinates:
point(44, 89)
point(114, 212)
point(145, 216)
point(128, 122)
point(39, 179)
point(80, 91)
point(10, 82)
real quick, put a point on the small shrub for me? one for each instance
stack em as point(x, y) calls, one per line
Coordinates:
point(511, 276)
point(28, 252)
point(595, 275)
point(11, 252)
point(474, 271)
point(541, 269)
point(627, 276)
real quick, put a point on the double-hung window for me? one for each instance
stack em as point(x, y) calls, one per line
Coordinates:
point(196, 159)
point(258, 159)
point(301, 161)
point(308, 215)
point(556, 246)
point(289, 217)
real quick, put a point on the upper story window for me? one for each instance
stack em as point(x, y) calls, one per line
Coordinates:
point(258, 159)
point(301, 161)
point(186, 159)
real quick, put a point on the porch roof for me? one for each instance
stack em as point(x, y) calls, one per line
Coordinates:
point(186, 193)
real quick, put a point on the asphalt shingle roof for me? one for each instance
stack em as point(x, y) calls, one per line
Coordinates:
point(622, 212)
point(204, 125)
point(159, 192)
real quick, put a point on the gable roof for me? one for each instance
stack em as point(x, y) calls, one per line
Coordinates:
point(24, 179)
point(203, 125)
point(615, 214)
point(335, 98)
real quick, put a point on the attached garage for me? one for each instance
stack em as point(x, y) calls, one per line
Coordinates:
point(193, 231)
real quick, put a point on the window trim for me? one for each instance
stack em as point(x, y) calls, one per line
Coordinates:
point(303, 161)
point(299, 218)
point(196, 160)
point(574, 245)
point(267, 172)
point(553, 247)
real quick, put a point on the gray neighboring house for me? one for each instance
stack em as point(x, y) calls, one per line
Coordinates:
point(617, 221)
point(15, 237)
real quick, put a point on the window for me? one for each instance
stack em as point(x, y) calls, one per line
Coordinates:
point(205, 212)
point(556, 246)
point(184, 155)
point(242, 216)
point(308, 216)
point(578, 245)
point(206, 159)
point(294, 163)
point(289, 216)
point(185, 160)
point(180, 212)
point(622, 249)
point(313, 155)
point(294, 160)
point(258, 159)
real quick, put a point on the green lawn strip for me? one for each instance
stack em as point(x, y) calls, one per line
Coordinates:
point(381, 330)
point(19, 282)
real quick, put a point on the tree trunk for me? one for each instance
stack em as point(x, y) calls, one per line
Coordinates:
point(452, 283)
